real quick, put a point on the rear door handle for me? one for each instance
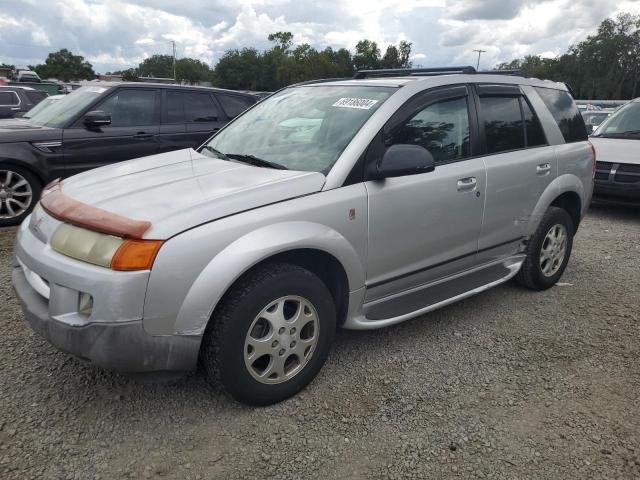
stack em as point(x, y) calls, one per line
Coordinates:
point(467, 184)
point(543, 168)
point(142, 136)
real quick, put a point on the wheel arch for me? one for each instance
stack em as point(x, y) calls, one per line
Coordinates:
point(26, 166)
point(566, 192)
point(318, 248)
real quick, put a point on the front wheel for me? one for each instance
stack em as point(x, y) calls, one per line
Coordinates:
point(271, 334)
point(19, 192)
point(548, 251)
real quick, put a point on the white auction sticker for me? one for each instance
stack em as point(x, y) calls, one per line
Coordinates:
point(359, 103)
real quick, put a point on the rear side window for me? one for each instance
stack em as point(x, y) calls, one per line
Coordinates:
point(199, 107)
point(565, 113)
point(503, 125)
point(35, 96)
point(9, 98)
point(233, 105)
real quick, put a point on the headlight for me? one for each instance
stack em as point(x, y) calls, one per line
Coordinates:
point(105, 250)
point(86, 245)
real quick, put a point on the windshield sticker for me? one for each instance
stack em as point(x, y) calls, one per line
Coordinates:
point(359, 103)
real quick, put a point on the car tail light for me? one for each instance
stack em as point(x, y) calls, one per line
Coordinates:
point(593, 160)
point(136, 255)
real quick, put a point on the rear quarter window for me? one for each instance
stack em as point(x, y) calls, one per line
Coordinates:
point(565, 112)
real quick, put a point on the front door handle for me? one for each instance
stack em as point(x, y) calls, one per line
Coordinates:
point(142, 136)
point(467, 184)
point(543, 168)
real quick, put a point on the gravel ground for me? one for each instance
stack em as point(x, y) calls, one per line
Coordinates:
point(508, 384)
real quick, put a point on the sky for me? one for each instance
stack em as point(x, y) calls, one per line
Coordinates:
point(118, 34)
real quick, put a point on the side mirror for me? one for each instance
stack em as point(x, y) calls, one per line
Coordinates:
point(400, 160)
point(97, 118)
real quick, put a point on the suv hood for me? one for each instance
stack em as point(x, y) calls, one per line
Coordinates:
point(617, 150)
point(22, 130)
point(178, 190)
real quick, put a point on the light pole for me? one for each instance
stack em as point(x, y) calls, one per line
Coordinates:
point(480, 52)
point(174, 59)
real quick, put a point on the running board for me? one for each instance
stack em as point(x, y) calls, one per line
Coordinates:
point(362, 322)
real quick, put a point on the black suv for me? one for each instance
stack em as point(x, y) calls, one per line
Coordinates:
point(17, 100)
point(105, 123)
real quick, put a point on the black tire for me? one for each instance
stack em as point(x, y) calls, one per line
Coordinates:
point(36, 189)
point(222, 353)
point(531, 275)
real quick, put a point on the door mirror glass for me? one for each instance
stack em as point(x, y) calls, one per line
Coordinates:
point(402, 159)
point(97, 118)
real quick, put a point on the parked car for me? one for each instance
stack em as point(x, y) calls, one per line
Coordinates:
point(617, 144)
point(106, 123)
point(18, 100)
point(593, 118)
point(25, 75)
point(415, 191)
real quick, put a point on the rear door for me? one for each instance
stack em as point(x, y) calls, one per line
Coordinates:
point(520, 165)
point(234, 105)
point(203, 116)
point(133, 133)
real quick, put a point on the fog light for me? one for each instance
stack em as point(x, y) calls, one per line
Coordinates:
point(85, 304)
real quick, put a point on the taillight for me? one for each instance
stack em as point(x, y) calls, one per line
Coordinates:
point(593, 160)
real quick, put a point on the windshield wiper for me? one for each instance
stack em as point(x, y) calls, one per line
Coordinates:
point(217, 153)
point(255, 161)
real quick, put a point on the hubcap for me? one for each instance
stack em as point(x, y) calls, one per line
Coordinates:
point(15, 194)
point(281, 339)
point(553, 251)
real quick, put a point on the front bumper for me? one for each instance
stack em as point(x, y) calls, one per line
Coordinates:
point(617, 183)
point(112, 336)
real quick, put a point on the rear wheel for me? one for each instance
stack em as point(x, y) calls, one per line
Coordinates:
point(19, 192)
point(548, 251)
point(271, 334)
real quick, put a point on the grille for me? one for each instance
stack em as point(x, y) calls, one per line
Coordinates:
point(604, 166)
point(627, 173)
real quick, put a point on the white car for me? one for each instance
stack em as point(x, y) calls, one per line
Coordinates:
point(617, 144)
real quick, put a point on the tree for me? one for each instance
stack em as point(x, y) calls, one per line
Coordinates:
point(65, 66)
point(367, 55)
point(158, 66)
point(192, 71)
point(283, 40)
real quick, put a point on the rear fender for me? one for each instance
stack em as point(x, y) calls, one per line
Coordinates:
point(562, 184)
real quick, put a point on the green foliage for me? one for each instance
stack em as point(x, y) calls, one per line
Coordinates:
point(603, 66)
point(157, 66)
point(65, 66)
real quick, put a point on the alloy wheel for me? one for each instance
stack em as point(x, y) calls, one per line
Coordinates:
point(15, 194)
point(553, 251)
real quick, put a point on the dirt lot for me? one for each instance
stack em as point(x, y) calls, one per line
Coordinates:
point(508, 384)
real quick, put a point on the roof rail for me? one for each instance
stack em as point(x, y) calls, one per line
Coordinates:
point(322, 80)
point(393, 72)
point(516, 72)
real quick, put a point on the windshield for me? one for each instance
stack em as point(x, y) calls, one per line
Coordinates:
point(41, 106)
point(302, 128)
point(626, 121)
point(58, 113)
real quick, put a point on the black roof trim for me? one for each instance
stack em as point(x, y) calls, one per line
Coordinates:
point(427, 72)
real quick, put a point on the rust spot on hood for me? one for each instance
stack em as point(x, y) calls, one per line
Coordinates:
point(68, 210)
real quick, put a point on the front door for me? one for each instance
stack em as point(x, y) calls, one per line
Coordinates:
point(425, 227)
point(133, 132)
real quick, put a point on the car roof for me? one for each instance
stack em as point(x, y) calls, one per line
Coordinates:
point(400, 81)
point(166, 86)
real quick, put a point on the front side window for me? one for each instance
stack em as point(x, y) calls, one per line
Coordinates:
point(302, 128)
point(130, 107)
point(566, 114)
point(503, 127)
point(199, 107)
point(442, 128)
point(623, 123)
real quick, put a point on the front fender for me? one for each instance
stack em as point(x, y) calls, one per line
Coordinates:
point(249, 250)
point(562, 184)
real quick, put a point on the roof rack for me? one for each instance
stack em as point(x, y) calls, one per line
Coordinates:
point(393, 72)
point(427, 72)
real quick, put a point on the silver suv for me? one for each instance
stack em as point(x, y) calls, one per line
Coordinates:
point(357, 203)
